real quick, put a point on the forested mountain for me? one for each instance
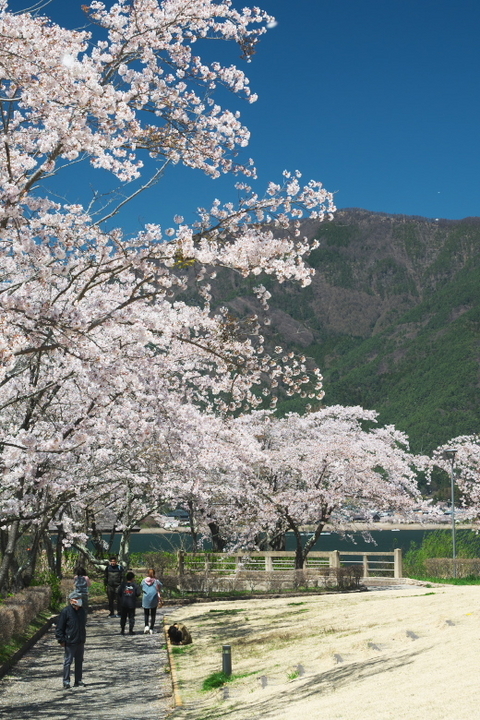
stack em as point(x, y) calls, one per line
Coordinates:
point(392, 317)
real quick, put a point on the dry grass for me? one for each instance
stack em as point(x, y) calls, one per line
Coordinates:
point(348, 657)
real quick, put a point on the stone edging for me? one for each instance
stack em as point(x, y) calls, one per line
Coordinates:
point(8, 664)
point(177, 699)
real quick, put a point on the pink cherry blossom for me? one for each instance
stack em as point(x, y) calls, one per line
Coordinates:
point(100, 359)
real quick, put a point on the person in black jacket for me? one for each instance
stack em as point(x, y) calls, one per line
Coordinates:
point(128, 592)
point(112, 580)
point(71, 635)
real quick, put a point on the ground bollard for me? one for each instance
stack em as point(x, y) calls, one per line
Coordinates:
point(227, 660)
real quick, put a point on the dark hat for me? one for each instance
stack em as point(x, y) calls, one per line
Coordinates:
point(76, 598)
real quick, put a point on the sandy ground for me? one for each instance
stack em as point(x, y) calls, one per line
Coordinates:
point(400, 653)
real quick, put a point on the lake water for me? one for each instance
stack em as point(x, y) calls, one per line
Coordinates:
point(384, 541)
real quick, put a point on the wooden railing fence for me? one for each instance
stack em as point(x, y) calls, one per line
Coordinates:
point(374, 564)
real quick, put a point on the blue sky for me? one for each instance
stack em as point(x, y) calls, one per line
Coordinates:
point(378, 99)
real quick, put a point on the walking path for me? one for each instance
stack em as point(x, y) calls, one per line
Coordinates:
point(124, 677)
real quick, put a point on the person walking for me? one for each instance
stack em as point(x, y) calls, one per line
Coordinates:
point(128, 592)
point(71, 635)
point(81, 583)
point(112, 580)
point(152, 596)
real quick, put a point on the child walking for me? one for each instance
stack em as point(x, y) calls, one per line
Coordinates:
point(127, 595)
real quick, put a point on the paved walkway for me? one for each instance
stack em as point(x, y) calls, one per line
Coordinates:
point(124, 676)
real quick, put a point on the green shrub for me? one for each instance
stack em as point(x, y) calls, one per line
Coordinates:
point(438, 545)
point(96, 589)
point(161, 561)
point(49, 579)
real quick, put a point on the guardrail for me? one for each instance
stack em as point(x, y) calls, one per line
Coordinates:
point(374, 564)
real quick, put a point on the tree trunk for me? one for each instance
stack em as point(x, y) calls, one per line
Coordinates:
point(3, 541)
point(49, 549)
point(301, 551)
point(13, 534)
point(271, 541)
point(218, 543)
point(95, 536)
point(311, 542)
point(299, 554)
point(193, 530)
point(25, 572)
point(58, 551)
point(276, 539)
point(124, 551)
point(111, 540)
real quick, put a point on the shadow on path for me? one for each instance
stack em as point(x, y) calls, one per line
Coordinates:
point(124, 676)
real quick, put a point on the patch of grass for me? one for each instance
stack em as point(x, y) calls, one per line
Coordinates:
point(329, 631)
point(97, 590)
point(411, 596)
point(247, 594)
point(265, 642)
point(7, 650)
point(296, 603)
point(227, 612)
point(470, 580)
point(182, 650)
point(293, 675)
point(216, 680)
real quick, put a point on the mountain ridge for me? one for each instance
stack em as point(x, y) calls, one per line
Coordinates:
point(392, 318)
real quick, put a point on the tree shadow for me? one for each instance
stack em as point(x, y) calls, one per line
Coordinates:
point(307, 687)
point(123, 676)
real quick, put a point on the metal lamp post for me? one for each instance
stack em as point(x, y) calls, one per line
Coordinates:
point(449, 454)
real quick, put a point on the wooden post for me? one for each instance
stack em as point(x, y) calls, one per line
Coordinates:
point(365, 565)
point(397, 563)
point(334, 560)
point(268, 562)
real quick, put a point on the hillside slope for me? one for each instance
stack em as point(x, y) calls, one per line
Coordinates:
point(392, 317)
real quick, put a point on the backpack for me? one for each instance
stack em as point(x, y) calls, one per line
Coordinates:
point(81, 584)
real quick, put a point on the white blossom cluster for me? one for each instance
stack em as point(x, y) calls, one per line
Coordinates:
point(99, 359)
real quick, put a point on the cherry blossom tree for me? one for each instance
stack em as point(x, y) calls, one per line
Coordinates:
point(465, 464)
point(315, 465)
point(200, 463)
point(92, 333)
point(189, 458)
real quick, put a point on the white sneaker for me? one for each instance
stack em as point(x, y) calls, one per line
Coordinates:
point(146, 630)
point(151, 631)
